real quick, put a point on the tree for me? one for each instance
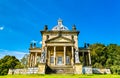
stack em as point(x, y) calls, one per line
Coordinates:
point(24, 61)
point(8, 62)
point(98, 53)
point(106, 56)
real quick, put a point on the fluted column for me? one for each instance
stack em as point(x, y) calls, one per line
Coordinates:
point(54, 54)
point(64, 55)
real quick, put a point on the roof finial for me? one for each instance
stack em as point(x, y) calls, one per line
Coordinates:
point(60, 26)
point(60, 21)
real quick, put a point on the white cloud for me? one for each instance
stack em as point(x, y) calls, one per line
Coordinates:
point(17, 54)
point(1, 28)
point(40, 42)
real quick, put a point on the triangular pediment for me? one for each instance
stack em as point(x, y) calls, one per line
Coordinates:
point(59, 40)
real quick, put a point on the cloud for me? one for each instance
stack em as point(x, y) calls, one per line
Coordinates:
point(40, 42)
point(1, 28)
point(17, 54)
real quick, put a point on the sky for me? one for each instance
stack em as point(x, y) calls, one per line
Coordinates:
point(21, 21)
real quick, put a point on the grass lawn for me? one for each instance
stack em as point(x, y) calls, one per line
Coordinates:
point(60, 76)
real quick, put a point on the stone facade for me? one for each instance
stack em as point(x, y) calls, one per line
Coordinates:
point(59, 51)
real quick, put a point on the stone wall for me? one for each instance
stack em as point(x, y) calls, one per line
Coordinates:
point(101, 71)
point(17, 71)
point(24, 71)
point(87, 70)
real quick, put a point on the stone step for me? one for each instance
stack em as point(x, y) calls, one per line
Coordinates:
point(63, 69)
point(32, 70)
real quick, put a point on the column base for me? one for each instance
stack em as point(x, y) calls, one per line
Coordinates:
point(77, 68)
point(41, 68)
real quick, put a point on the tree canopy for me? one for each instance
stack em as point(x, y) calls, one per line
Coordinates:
point(106, 56)
point(8, 62)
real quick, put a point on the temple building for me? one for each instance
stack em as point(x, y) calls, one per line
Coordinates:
point(59, 52)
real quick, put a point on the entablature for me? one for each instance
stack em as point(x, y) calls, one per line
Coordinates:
point(35, 50)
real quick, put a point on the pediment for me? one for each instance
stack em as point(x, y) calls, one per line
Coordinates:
point(59, 40)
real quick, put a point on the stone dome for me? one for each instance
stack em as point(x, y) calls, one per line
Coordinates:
point(60, 26)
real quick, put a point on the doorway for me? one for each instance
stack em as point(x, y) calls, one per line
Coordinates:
point(59, 60)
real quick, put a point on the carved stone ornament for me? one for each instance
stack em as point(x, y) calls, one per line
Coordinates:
point(77, 57)
point(43, 56)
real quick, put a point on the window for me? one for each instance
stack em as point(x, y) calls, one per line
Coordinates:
point(67, 59)
point(51, 59)
point(59, 60)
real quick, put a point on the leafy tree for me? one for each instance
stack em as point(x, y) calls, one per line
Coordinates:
point(24, 61)
point(98, 55)
point(106, 56)
point(8, 62)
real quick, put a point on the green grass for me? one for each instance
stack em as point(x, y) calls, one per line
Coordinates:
point(60, 76)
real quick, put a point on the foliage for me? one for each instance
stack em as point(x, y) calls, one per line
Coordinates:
point(8, 62)
point(24, 60)
point(106, 56)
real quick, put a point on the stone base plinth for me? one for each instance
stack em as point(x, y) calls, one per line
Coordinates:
point(87, 70)
point(41, 68)
point(78, 68)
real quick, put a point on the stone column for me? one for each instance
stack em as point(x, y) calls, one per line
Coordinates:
point(72, 55)
point(54, 54)
point(33, 62)
point(30, 60)
point(89, 58)
point(46, 55)
point(49, 57)
point(35, 58)
point(83, 58)
point(64, 55)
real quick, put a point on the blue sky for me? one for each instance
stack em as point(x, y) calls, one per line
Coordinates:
point(22, 20)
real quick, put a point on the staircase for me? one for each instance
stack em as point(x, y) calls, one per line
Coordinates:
point(32, 70)
point(61, 69)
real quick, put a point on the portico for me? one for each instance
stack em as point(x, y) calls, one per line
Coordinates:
point(59, 55)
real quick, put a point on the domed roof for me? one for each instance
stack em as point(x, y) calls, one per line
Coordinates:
point(60, 26)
